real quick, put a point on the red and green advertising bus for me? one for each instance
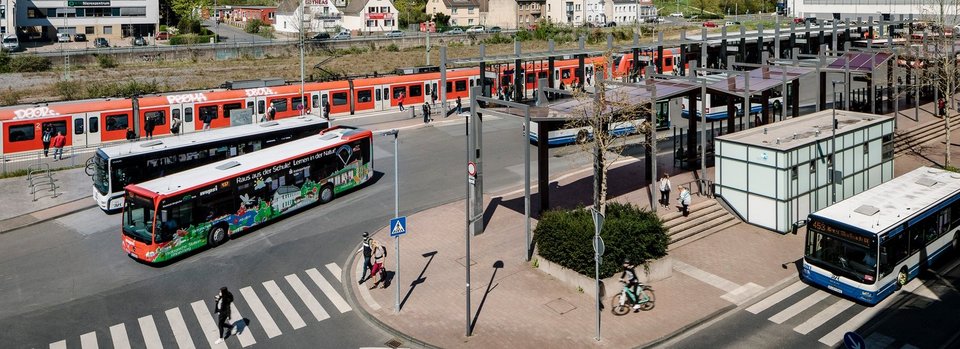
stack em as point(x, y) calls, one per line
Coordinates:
point(170, 216)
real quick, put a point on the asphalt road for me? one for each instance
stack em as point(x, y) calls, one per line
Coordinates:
point(68, 280)
point(803, 316)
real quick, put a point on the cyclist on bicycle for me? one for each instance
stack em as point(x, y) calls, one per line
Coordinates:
point(629, 277)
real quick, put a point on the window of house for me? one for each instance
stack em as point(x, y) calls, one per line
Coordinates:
point(89, 30)
point(453, 11)
point(280, 104)
point(340, 98)
point(20, 133)
point(372, 9)
point(470, 21)
point(371, 23)
point(230, 107)
point(108, 30)
point(117, 122)
point(388, 23)
point(33, 12)
point(470, 10)
point(385, 9)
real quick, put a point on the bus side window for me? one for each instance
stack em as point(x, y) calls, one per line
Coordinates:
point(180, 216)
point(892, 252)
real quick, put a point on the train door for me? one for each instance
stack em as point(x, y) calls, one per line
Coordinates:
point(79, 127)
point(188, 117)
point(93, 129)
point(382, 95)
point(315, 107)
point(251, 104)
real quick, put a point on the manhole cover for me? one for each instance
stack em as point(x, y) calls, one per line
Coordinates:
point(462, 259)
point(393, 343)
point(560, 306)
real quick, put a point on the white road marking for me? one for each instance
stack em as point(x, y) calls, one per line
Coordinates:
point(312, 303)
point(243, 332)
point(61, 344)
point(762, 305)
point(180, 332)
point(335, 270)
point(151, 337)
point(364, 293)
point(269, 326)
point(284, 304)
point(207, 324)
point(87, 341)
point(822, 317)
point(708, 278)
point(742, 293)
point(798, 307)
point(328, 290)
point(118, 333)
point(861, 318)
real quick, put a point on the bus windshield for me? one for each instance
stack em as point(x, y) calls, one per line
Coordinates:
point(100, 174)
point(138, 219)
point(841, 252)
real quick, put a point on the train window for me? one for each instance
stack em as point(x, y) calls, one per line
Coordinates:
point(159, 117)
point(315, 101)
point(471, 82)
point(58, 126)
point(229, 107)
point(20, 133)
point(250, 106)
point(379, 95)
point(188, 114)
point(449, 86)
point(78, 126)
point(117, 122)
point(296, 102)
point(542, 75)
point(461, 85)
point(397, 91)
point(340, 98)
point(175, 114)
point(667, 61)
point(578, 72)
point(565, 74)
point(364, 96)
point(416, 91)
point(261, 107)
point(279, 103)
point(94, 124)
point(208, 112)
point(531, 78)
point(426, 90)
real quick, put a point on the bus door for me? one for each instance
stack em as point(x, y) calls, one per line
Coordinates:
point(381, 96)
point(79, 129)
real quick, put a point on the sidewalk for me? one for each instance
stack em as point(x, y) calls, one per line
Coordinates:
point(515, 305)
point(18, 209)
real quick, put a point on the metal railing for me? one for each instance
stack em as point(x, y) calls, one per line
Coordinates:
point(41, 179)
point(700, 187)
point(26, 163)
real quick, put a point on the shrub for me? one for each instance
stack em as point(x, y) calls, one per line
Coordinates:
point(393, 48)
point(106, 61)
point(565, 237)
point(28, 63)
point(69, 89)
point(253, 26)
point(497, 39)
point(4, 62)
point(190, 39)
point(189, 26)
point(11, 96)
point(524, 35)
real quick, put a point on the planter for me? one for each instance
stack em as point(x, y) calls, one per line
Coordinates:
point(658, 270)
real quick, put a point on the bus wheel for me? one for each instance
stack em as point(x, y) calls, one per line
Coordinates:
point(326, 194)
point(581, 136)
point(217, 235)
point(902, 278)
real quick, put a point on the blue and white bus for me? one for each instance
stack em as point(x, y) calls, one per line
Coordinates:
point(870, 245)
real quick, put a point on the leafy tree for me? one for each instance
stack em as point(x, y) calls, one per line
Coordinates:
point(411, 12)
point(188, 8)
point(441, 19)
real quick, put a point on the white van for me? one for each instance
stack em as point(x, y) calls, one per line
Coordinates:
point(11, 43)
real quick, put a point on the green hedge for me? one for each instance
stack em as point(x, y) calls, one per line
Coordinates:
point(190, 39)
point(565, 237)
point(23, 63)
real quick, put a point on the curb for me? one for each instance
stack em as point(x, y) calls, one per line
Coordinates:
point(370, 318)
point(689, 326)
point(29, 219)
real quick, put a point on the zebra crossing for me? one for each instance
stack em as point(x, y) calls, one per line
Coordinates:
point(250, 301)
point(807, 310)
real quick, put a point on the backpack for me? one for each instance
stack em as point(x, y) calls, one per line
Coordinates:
point(46, 137)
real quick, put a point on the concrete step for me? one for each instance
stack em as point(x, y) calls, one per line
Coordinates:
point(675, 218)
point(687, 239)
point(697, 223)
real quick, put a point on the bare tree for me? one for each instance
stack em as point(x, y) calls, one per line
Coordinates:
point(609, 107)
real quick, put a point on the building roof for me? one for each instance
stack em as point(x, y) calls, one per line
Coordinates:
point(860, 61)
point(461, 3)
point(796, 132)
point(897, 200)
point(189, 139)
point(761, 79)
point(356, 6)
point(288, 6)
point(621, 2)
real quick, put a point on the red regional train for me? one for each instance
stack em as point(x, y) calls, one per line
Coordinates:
point(94, 122)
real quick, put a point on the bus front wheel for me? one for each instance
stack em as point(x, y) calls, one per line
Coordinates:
point(902, 278)
point(326, 194)
point(217, 235)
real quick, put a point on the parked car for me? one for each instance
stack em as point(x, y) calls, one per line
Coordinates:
point(321, 36)
point(80, 37)
point(138, 41)
point(163, 36)
point(454, 31)
point(661, 19)
point(11, 43)
point(101, 42)
point(709, 24)
point(494, 30)
point(394, 34)
point(611, 24)
point(63, 37)
point(342, 36)
point(476, 29)
point(677, 14)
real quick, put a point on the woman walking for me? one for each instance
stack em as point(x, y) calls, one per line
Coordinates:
point(379, 255)
point(665, 188)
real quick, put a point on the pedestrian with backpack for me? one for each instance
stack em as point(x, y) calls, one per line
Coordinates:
point(379, 256)
point(367, 252)
point(47, 136)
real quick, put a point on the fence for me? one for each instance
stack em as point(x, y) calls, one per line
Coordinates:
point(701, 187)
point(21, 164)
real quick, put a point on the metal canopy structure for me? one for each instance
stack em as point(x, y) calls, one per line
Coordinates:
point(760, 80)
point(860, 62)
point(618, 97)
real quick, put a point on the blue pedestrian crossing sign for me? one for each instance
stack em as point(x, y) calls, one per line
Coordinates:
point(398, 226)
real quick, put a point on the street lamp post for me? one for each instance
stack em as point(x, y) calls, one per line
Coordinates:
point(833, 145)
point(396, 206)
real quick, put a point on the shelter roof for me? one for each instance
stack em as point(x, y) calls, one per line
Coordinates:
point(618, 97)
point(526, 57)
point(760, 79)
point(860, 61)
point(797, 132)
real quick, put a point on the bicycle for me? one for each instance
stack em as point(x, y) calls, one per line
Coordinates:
point(624, 300)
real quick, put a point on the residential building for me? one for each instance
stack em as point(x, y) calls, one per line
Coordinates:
point(499, 13)
point(646, 11)
point(529, 12)
point(366, 16)
point(266, 14)
point(6, 20)
point(624, 12)
point(461, 12)
point(568, 12)
point(830, 9)
point(321, 16)
point(596, 11)
point(111, 19)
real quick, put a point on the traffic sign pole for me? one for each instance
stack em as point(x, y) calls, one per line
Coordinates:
point(398, 226)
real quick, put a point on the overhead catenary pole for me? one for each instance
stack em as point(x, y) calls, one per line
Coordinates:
point(303, 101)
